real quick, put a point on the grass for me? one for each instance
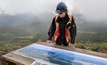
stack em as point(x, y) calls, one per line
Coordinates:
point(93, 46)
point(6, 47)
point(10, 41)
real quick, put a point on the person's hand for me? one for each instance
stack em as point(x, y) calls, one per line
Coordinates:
point(48, 41)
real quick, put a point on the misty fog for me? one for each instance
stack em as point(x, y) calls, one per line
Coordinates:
point(35, 16)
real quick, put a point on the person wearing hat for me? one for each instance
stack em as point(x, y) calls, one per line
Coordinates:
point(63, 28)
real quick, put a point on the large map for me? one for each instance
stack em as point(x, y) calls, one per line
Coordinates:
point(45, 55)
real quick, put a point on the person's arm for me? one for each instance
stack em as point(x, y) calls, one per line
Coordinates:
point(73, 31)
point(51, 30)
point(74, 27)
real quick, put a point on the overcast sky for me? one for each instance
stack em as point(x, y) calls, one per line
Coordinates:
point(92, 9)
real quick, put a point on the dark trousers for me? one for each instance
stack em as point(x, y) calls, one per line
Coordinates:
point(61, 41)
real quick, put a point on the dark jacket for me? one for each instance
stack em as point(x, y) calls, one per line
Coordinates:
point(62, 22)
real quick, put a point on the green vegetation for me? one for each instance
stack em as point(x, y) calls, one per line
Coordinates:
point(93, 46)
point(12, 38)
point(15, 38)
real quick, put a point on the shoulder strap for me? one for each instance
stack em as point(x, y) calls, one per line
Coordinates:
point(70, 21)
point(56, 17)
point(70, 16)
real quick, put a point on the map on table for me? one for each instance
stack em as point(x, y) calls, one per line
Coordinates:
point(45, 55)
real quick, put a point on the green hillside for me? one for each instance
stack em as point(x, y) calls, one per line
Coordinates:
point(11, 38)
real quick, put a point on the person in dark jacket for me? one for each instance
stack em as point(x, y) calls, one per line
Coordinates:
point(63, 28)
